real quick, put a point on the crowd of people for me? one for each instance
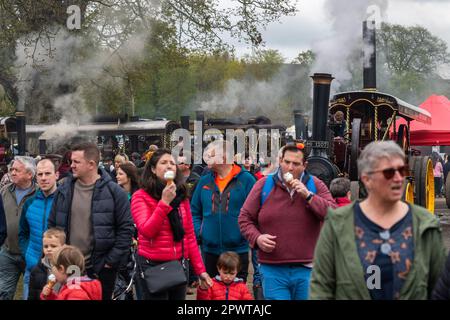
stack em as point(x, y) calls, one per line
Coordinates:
point(166, 228)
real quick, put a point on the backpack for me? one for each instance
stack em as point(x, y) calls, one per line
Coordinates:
point(269, 184)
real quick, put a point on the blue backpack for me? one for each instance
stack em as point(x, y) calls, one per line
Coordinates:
point(269, 184)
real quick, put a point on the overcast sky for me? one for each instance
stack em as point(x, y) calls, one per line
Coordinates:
point(314, 21)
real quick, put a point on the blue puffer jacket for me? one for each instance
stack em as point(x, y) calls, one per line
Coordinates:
point(215, 215)
point(33, 223)
point(111, 219)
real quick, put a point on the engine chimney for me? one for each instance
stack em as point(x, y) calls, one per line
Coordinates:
point(370, 54)
point(42, 146)
point(200, 116)
point(184, 122)
point(21, 132)
point(321, 98)
point(300, 125)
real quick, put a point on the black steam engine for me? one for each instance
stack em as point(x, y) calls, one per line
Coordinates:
point(343, 126)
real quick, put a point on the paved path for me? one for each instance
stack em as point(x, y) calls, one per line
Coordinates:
point(441, 211)
point(444, 216)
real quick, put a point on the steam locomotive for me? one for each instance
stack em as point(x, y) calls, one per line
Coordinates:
point(369, 116)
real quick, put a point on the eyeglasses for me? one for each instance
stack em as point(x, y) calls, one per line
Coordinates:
point(389, 173)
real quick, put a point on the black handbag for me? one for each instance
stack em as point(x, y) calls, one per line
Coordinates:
point(166, 275)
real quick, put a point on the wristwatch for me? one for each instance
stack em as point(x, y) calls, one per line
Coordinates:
point(309, 197)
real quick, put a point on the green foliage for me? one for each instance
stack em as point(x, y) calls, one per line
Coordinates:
point(411, 49)
point(263, 64)
point(305, 58)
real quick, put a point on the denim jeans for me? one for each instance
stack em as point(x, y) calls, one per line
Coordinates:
point(256, 273)
point(11, 267)
point(285, 282)
point(26, 284)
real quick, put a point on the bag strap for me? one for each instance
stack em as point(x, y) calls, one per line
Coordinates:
point(269, 184)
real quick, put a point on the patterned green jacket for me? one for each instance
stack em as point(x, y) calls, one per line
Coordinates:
point(338, 272)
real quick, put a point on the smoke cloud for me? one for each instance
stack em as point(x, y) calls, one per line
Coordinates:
point(274, 98)
point(346, 18)
point(54, 72)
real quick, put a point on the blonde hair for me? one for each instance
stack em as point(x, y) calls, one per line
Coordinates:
point(122, 158)
point(57, 233)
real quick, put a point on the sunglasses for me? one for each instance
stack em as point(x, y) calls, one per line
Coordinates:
point(389, 173)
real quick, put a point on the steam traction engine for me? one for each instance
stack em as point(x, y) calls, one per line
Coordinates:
point(369, 116)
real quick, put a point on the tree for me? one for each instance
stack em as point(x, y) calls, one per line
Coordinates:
point(263, 64)
point(408, 61)
point(305, 58)
point(107, 25)
point(411, 49)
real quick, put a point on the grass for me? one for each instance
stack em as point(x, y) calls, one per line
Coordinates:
point(19, 289)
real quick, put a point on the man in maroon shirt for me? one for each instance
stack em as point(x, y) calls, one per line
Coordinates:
point(285, 228)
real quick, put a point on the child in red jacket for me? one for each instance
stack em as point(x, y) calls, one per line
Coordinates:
point(226, 286)
point(68, 266)
point(340, 190)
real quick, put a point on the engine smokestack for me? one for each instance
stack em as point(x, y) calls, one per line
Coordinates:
point(184, 122)
point(370, 56)
point(300, 125)
point(42, 146)
point(321, 98)
point(21, 132)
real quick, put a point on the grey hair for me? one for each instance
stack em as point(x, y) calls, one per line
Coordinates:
point(374, 152)
point(28, 162)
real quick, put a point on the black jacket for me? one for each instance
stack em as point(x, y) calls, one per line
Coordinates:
point(442, 288)
point(111, 219)
point(446, 170)
point(3, 233)
point(38, 279)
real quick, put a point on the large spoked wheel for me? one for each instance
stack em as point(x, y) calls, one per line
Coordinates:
point(408, 194)
point(354, 152)
point(424, 182)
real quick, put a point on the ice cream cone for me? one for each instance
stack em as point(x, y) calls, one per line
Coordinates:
point(169, 176)
point(288, 177)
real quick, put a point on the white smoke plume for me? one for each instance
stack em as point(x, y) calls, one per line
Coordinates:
point(52, 73)
point(248, 97)
point(346, 18)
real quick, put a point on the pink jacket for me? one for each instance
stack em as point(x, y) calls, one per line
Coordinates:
point(155, 238)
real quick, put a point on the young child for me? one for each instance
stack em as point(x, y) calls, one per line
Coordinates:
point(68, 268)
point(52, 240)
point(226, 286)
point(340, 191)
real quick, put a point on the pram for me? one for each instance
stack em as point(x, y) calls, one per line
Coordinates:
point(124, 288)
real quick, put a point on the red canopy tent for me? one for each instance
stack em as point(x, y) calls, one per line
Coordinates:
point(438, 132)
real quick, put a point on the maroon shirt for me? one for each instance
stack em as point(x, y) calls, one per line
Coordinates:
point(295, 222)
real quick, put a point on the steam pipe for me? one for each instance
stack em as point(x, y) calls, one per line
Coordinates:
point(42, 146)
point(21, 132)
point(321, 98)
point(299, 121)
point(184, 122)
point(370, 56)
